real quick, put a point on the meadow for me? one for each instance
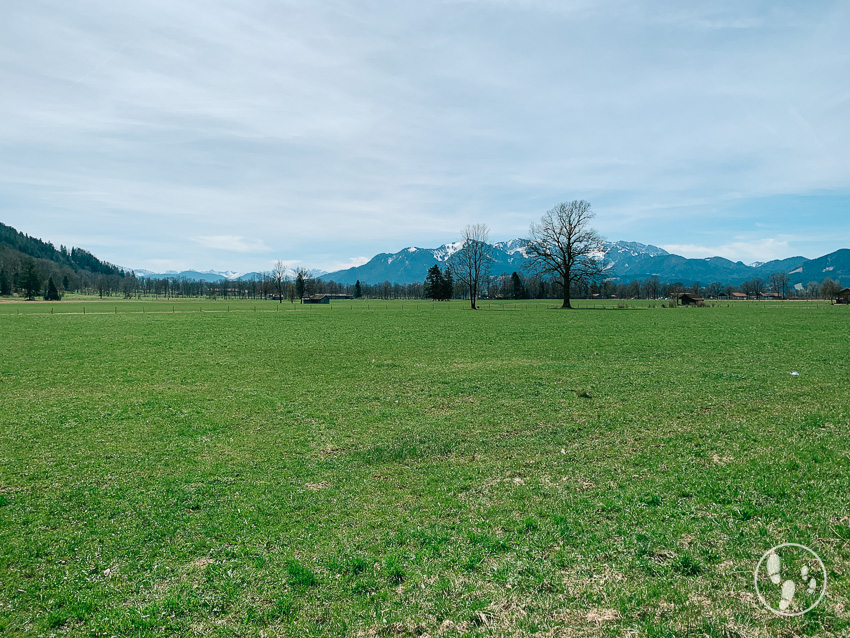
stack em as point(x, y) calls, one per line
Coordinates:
point(411, 469)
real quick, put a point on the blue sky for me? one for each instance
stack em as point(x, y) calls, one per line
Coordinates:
point(227, 134)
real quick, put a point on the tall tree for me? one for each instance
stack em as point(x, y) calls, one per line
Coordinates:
point(358, 289)
point(30, 279)
point(5, 283)
point(714, 289)
point(652, 287)
point(563, 245)
point(301, 282)
point(434, 284)
point(471, 262)
point(779, 283)
point(829, 288)
point(753, 287)
point(448, 284)
point(517, 289)
point(279, 279)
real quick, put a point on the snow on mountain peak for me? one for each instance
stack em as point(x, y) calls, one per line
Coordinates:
point(447, 250)
point(513, 246)
point(227, 274)
point(634, 248)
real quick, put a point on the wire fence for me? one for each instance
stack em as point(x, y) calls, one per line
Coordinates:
point(140, 307)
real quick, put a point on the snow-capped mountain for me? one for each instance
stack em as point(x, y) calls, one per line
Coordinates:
point(443, 252)
point(215, 275)
point(410, 264)
point(513, 246)
point(625, 261)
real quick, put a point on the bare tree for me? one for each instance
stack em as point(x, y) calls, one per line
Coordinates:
point(652, 286)
point(779, 283)
point(753, 288)
point(564, 246)
point(714, 289)
point(471, 263)
point(302, 277)
point(279, 279)
point(829, 288)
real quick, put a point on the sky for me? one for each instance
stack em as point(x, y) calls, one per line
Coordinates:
point(229, 134)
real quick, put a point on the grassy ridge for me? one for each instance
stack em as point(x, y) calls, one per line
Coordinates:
point(329, 471)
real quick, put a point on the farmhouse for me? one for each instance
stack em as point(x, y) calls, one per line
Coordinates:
point(843, 296)
point(770, 295)
point(687, 299)
point(739, 295)
point(325, 297)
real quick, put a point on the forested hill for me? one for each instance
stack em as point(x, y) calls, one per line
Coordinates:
point(24, 257)
point(76, 258)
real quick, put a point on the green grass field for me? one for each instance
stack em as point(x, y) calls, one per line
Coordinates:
point(389, 469)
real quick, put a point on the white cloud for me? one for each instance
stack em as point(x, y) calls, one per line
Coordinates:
point(385, 124)
point(764, 249)
point(234, 243)
point(351, 262)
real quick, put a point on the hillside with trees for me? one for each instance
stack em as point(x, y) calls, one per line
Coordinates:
point(28, 265)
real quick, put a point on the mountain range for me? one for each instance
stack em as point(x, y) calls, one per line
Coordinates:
point(626, 262)
point(213, 276)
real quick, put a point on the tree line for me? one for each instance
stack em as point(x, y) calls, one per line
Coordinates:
point(564, 262)
point(437, 284)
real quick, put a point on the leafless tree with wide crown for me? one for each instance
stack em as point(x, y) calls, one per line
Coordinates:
point(471, 263)
point(562, 244)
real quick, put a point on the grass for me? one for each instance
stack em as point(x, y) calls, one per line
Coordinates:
point(389, 470)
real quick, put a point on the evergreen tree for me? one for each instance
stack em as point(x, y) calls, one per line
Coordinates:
point(52, 294)
point(29, 279)
point(517, 289)
point(448, 284)
point(66, 285)
point(299, 283)
point(358, 290)
point(5, 283)
point(434, 283)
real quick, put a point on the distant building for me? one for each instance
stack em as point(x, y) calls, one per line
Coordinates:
point(843, 296)
point(739, 295)
point(325, 298)
point(770, 295)
point(687, 299)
